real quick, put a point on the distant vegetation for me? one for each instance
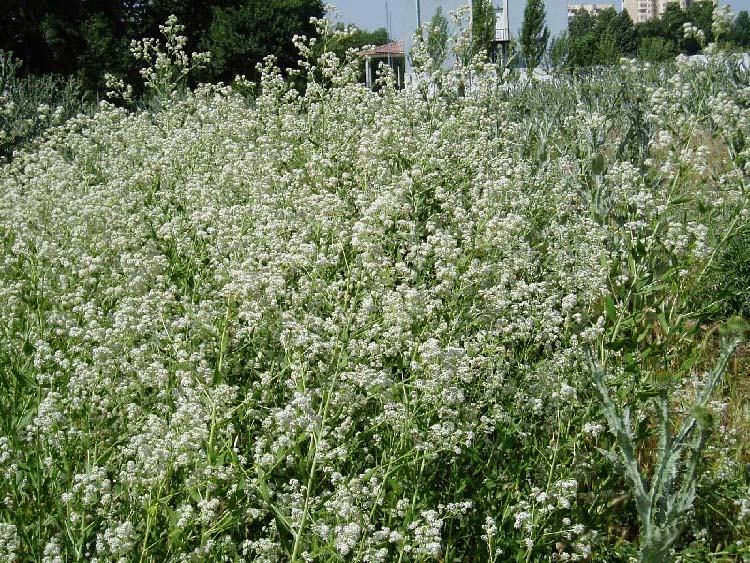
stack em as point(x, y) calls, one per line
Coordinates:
point(87, 38)
point(55, 55)
point(604, 38)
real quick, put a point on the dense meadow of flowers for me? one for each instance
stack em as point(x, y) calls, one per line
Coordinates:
point(333, 324)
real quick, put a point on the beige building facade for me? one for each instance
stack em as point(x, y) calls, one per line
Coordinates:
point(592, 9)
point(644, 10)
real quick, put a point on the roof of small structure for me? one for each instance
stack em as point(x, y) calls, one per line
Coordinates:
point(392, 49)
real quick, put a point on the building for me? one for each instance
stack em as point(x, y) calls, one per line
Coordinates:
point(391, 54)
point(502, 30)
point(640, 10)
point(644, 10)
point(592, 9)
point(502, 23)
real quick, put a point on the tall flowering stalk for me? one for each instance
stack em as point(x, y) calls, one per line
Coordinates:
point(167, 64)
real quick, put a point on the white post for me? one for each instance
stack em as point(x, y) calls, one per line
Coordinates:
point(368, 74)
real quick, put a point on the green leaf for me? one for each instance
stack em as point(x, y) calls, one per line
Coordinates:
point(681, 200)
point(598, 165)
point(609, 304)
point(663, 322)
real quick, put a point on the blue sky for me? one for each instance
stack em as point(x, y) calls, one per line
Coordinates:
point(371, 14)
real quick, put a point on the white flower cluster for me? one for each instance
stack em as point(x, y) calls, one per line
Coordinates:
point(691, 31)
point(166, 65)
point(335, 323)
point(117, 541)
point(9, 542)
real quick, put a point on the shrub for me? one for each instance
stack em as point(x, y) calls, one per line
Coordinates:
point(30, 105)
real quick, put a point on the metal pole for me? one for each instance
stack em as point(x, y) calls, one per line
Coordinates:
point(419, 15)
point(388, 20)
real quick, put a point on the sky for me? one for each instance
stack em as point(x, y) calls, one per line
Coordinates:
point(371, 14)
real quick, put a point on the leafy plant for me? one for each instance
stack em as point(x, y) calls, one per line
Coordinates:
point(312, 321)
point(30, 105)
point(726, 287)
point(665, 495)
point(655, 49)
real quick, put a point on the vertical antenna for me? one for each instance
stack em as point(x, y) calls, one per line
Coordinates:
point(387, 19)
point(388, 23)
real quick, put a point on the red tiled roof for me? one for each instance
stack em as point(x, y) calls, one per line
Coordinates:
point(394, 48)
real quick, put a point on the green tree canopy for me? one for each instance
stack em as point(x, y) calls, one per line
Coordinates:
point(437, 38)
point(483, 27)
point(240, 36)
point(701, 15)
point(534, 33)
point(602, 38)
point(607, 32)
point(559, 51)
point(740, 33)
point(91, 37)
point(66, 36)
point(583, 50)
point(581, 23)
point(655, 49)
point(625, 34)
point(582, 40)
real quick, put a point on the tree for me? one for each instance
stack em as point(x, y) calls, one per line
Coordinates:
point(674, 19)
point(607, 51)
point(701, 14)
point(626, 34)
point(740, 32)
point(65, 36)
point(483, 27)
point(583, 50)
point(196, 16)
point(655, 49)
point(582, 40)
point(534, 33)
point(21, 33)
point(581, 23)
point(91, 37)
point(84, 37)
point(437, 38)
point(241, 36)
point(606, 30)
point(657, 42)
point(559, 51)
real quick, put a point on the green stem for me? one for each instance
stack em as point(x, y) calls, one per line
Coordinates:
point(315, 440)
